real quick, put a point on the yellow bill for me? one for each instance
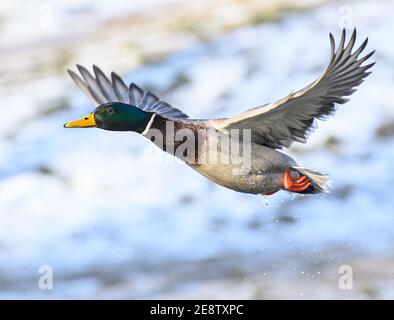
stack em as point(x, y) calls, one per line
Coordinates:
point(86, 122)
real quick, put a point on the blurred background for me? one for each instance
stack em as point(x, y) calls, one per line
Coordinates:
point(110, 225)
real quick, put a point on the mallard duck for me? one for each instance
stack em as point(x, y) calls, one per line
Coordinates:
point(262, 131)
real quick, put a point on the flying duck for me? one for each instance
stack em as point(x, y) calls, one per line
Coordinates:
point(247, 145)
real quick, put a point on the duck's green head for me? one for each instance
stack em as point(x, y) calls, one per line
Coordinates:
point(114, 116)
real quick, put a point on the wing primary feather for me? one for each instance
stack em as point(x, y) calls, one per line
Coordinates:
point(102, 89)
point(104, 84)
point(340, 47)
point(332, 42)
point(92, 84)
point(148, 100)
point(351, 42)
point(82, 85)
point(120, 88)
point(366, 57)
point(293, 117)
point(360, 49)
point(135, 94)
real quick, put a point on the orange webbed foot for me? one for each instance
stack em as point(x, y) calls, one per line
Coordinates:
point(296, 185)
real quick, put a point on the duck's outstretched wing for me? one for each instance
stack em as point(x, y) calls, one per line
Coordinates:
point(100, 90)
point(291, 119)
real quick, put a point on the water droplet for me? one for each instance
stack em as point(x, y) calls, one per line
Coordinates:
point(266, 201)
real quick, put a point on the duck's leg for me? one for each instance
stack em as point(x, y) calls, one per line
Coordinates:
point(270, 192)
point(297, 184)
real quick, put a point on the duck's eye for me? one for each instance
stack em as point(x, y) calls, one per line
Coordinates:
point(109, 110)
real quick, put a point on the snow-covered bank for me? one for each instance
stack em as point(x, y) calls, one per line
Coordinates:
point(110, 225)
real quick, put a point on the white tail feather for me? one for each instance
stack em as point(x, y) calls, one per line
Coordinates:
point(319, 181)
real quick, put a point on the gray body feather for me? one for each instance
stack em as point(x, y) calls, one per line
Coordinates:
point(258, 171)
